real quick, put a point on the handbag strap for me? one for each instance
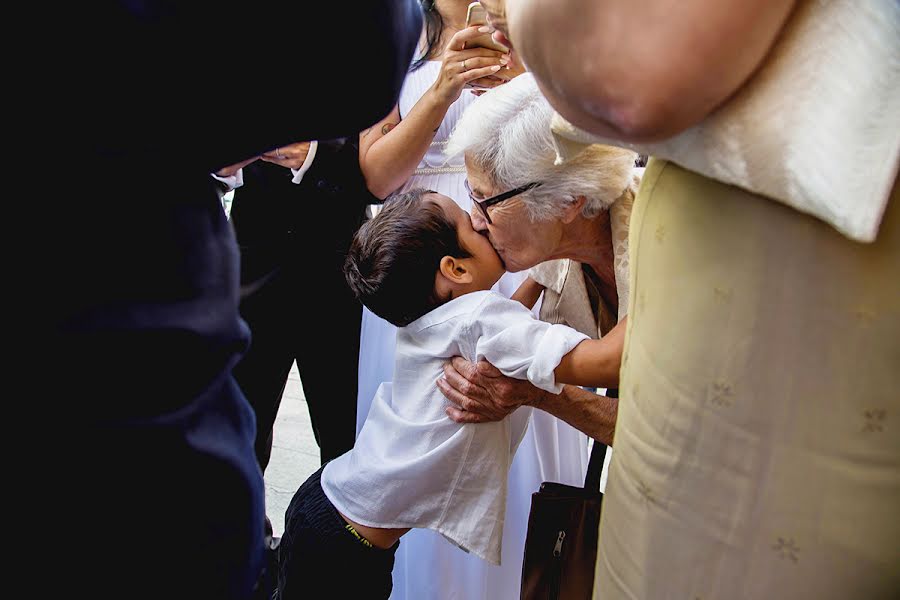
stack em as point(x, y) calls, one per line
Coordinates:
point(598, 455)
point(595, 466)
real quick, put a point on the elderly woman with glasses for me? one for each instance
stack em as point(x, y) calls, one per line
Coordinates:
point(568, 224)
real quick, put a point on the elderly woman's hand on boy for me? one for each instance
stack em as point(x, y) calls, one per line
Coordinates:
point(481, 393)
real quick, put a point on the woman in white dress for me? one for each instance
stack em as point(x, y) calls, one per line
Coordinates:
point(406, 151)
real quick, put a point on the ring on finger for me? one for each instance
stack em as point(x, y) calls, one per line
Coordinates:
point(463, 63)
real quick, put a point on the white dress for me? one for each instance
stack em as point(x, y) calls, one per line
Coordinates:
point(428, 567)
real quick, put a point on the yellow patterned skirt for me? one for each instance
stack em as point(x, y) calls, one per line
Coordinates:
point(758, 439)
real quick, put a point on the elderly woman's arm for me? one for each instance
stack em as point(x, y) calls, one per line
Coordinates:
point(482, 393)
point(390, 151)
point(589, 413)
point(642, 71)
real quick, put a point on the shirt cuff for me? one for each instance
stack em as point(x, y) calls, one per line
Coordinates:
point(549, 351)
point(299, 173)
point(234, 181)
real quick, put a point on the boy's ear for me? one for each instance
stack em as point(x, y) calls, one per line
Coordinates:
point(455, 269)
point(573, 209)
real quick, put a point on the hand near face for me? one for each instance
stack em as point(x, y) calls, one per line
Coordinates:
point(461, 66)
point(291, 156)
point(496, 14)
point(513, 69)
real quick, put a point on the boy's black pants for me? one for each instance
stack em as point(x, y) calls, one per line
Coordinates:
point(320, 558)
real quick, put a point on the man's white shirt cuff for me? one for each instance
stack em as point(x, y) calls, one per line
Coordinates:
point(234, 181)
point(299, 173)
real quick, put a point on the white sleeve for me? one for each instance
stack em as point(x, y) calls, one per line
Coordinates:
point(234, 181)
point(509, 337)
point(307, 163)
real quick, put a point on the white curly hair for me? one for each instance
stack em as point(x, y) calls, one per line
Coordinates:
point(506, 133)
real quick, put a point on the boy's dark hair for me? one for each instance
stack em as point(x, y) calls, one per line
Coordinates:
point(393, 259)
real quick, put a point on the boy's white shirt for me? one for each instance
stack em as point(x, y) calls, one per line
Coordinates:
point(414, 467)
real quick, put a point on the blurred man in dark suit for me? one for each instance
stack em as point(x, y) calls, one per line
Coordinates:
point(294, 213)
point(158, 491)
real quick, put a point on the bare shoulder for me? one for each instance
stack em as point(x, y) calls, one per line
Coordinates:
point(654, 71)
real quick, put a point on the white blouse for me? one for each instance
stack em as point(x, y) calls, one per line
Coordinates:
point(414, 467)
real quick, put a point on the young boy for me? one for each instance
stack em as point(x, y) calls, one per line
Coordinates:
point(420, 265)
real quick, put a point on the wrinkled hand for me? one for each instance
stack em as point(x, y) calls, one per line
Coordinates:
point(291, 156)
point(482, 393)
point(461, 65)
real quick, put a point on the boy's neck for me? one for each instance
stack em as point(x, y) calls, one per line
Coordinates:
point(462, 290)
point(447, 290)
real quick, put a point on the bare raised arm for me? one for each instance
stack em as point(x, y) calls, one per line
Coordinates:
point(380, 180)
point(644, 71)
point(390, 151)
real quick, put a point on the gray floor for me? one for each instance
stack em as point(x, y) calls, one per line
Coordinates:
point(295, 455)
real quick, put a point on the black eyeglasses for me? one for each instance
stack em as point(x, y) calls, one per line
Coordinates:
point(487, 203)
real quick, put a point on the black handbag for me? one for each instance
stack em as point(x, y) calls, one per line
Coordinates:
point(561, 542)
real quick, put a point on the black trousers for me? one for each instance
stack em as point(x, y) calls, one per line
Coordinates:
point(307, 315)
point(320, 558)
